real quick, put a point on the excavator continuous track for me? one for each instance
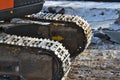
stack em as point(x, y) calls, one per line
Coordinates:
point(58, 23)
point(81, 26)
point(56, 50)
point(40, 46)
point(73, 31)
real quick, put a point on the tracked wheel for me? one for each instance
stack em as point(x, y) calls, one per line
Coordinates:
point(72, 31)
point(33, 59)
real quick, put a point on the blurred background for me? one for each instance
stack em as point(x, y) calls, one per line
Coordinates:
point(89, 0)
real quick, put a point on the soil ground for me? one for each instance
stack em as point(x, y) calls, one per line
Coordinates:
point(98, 62)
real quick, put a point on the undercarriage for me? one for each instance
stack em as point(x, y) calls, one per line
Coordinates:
point(41, 46)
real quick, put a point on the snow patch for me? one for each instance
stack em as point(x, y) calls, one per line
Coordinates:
point(98, 14)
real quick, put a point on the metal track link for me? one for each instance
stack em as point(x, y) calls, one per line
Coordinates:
point(46, 44)
point(66, 18)
point(75, 22)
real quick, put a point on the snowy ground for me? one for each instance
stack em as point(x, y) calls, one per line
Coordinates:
point(101, 16)
point(93, 12)
point(102, 58)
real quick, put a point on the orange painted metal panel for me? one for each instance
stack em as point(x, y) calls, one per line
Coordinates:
point(6, 4)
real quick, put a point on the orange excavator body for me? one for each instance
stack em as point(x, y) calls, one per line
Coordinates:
point(19, 8)
point(6, 4)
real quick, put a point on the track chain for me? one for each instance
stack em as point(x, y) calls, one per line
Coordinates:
point(66, 18)
point(46, 44)
point(62, 18)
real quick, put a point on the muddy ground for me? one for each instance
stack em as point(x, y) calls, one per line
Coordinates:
point(98, 62)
